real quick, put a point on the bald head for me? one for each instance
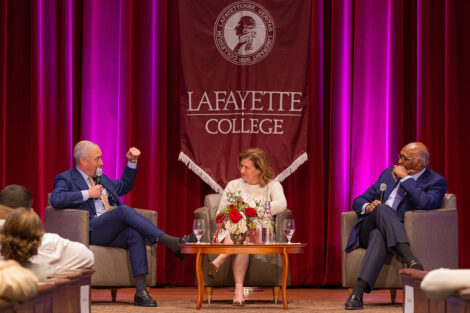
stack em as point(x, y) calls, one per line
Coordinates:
point(419, 150)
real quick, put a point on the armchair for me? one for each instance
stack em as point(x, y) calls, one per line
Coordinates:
point(433, 238)
point(112, 266)
point(263, 270)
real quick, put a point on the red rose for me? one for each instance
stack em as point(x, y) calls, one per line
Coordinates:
point(250, 212)
point(234, 216)
point(219, 218)
point(231, 206)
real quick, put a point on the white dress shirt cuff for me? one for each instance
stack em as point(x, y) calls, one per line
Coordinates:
point(363, 210)
point(85, 195)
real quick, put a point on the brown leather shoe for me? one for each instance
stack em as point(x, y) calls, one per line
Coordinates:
point(212, 270)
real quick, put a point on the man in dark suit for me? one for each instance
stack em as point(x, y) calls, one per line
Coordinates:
point(379, 229)
point(120, 227)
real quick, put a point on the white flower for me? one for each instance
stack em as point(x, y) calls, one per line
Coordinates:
point(237, 228)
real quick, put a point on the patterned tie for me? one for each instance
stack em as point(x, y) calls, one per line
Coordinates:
point(103, 197)
point(398, 197)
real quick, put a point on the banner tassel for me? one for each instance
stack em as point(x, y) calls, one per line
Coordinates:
point(199, 172)
point(293, 167)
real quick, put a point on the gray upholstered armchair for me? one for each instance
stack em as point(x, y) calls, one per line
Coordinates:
point(263, 270)
point(112, 267)
point(433, 239)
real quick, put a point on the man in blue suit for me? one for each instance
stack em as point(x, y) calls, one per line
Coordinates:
point(379, 229)
point(120, 227)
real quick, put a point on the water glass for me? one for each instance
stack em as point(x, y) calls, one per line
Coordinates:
point(198, 228)
point(289, 228)
point(267, 234)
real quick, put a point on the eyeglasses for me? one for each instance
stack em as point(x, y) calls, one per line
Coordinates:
point(404, 158)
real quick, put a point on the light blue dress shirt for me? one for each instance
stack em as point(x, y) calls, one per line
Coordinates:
point(99, 205)
point(393, 194)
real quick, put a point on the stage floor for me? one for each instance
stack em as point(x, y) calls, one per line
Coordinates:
point(183, 299)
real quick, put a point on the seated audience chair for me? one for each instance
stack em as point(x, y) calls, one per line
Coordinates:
point(264, 270)
point(433, 239)
point(112, 266)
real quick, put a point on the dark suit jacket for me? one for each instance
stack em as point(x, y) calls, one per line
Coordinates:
point(68, 186)
point(425, 193)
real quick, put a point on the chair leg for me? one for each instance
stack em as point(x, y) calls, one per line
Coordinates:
point(276, 292)
point(393, 295)
point(113, 294)
point(208, 291)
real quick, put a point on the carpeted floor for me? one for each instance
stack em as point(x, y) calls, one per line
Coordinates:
point(251, 306)
point(300, 300)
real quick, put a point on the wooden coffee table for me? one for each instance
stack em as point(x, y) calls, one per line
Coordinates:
point(283, 249)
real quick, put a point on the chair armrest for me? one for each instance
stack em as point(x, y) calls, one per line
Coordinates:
point(151, 215)
point(68, 223)
point(433, 237)
point(449, 201)
point(203, 213)
point(279, 224)
point(348, 220)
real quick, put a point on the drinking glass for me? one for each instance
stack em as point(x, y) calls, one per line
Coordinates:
point(198, 228)
point(289, 228)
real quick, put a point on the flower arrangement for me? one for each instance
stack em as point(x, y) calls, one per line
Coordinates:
point(238, 217)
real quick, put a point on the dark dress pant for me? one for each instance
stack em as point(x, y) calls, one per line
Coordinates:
point(124, 228)
point(379, 233)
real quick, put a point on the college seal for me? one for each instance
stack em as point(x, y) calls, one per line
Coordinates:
point(244, 33)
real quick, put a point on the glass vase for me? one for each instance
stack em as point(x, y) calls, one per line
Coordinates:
point(254, 234)
point(238, 239)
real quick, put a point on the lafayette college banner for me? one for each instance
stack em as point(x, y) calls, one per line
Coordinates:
point(244, 83)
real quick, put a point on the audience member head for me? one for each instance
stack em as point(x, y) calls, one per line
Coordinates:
point(16, 282)
point(21, 235)
point(414, 157)
point(254, 166)
point(87, 157)
point(16, 196)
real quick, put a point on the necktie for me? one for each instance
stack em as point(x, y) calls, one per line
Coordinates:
point(103, 197)
point(398, 197)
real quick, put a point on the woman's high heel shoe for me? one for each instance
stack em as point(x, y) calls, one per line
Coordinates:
point(238, 302)
point(212, 270)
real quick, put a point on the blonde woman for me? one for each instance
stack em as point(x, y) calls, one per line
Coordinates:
point(256, 184)
point(20, 238)
point(16, 282)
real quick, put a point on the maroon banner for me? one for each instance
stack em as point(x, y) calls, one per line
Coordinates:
point(244, 83)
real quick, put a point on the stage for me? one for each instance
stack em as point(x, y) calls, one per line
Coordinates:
point(183, 299)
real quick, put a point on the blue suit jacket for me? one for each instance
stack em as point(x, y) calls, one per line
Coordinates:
point(425, 193)
point(68, 188)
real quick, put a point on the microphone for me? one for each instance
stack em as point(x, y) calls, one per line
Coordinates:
point(383, 187)
point(99, 172)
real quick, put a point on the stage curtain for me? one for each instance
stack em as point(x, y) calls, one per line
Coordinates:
point(382, 73)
